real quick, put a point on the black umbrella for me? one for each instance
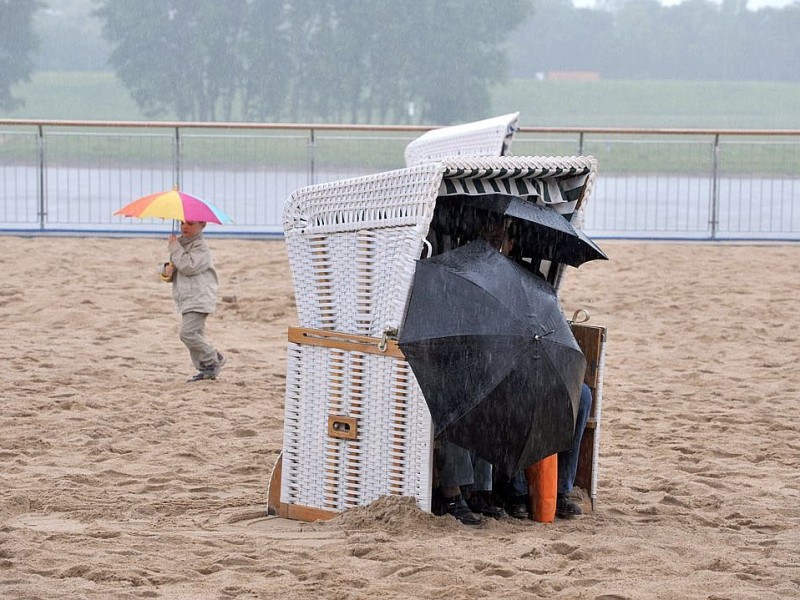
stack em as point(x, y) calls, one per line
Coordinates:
point(494, 356)
point(537, 230)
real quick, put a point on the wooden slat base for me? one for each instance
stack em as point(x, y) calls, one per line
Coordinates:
point(298, 512)
point(591, 339)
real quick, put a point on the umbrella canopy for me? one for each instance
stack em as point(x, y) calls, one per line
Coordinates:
point(537, 230)
point(494, 356)
point(176, 205)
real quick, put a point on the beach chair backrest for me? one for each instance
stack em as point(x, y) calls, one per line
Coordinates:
point(489, 137)
point(352, 246)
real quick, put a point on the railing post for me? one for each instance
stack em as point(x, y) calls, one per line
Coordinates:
point(714, 222)
point(312, 165)
point(41, 191)
point(580, 144)
point(176, 179)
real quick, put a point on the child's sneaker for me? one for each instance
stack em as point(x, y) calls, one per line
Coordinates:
point(213, 370)
point(202, 375)
point(209, 371)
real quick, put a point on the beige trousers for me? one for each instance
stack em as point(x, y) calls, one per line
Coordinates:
point(193, 335)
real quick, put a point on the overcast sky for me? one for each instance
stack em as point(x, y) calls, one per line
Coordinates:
point(751, 4)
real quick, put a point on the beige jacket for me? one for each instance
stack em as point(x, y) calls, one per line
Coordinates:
point(195, 284)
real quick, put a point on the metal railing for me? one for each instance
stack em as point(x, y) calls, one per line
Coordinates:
point(70, 176)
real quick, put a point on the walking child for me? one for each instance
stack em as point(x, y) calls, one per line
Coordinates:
point(194, 288)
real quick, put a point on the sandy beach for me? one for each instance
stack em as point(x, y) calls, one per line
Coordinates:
point(120, 480)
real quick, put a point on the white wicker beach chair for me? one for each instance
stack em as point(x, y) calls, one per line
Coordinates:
point(490, 137)
point(356, 424)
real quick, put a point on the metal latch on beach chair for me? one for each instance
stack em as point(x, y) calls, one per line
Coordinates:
point(346, 341)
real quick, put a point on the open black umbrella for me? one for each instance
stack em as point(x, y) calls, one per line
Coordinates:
point(540, 230)
point(494, 356)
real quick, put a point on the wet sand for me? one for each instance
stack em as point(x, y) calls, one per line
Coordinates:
point(120, 480)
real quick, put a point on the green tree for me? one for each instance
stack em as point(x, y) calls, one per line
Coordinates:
point(637, 44)
point(312, 85)
point(560, 37)
point(376, 65)
point(17, 46)
point(266, 66)
point(177, 55)
point(458, 53)
point(310, 60)
point(773, 49)
point(71, 37)
point(694, 40)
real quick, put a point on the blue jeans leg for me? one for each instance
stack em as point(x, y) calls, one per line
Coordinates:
point(455, 466)
point(568, 460)
point(459, 467)
point(519, 484)
point(482, 471)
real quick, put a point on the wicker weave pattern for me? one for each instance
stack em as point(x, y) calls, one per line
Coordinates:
point(392, 454)
point(352, 246)
point(490, 137)
point(354, 282)
point(385, 199)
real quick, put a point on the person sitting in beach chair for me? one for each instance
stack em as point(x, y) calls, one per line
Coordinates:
point(499, 233)
point(465, 484)
point(515, 490)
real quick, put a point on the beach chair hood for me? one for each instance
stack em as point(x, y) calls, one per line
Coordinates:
point(353, 243)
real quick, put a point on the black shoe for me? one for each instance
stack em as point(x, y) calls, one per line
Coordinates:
point(481, 503)
point(460, 510)
point(518, 509)
point(566, 508)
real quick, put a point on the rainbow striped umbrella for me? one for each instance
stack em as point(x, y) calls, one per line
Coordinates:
point(175, 205)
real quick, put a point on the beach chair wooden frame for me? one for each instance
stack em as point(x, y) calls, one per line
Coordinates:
point(592, 340)
point(356, 424)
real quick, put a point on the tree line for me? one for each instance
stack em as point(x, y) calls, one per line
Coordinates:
point(385, 61)
point(642, 39)
point(17, 46)
point(305, 60)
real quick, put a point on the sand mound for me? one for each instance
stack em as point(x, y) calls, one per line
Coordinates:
point(394, 514)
